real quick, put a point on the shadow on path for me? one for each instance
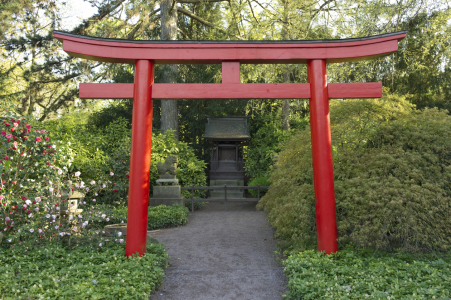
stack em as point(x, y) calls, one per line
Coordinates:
point(221, 254)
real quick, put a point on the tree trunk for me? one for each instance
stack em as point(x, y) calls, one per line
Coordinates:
point(286, 73)
point(169, 111)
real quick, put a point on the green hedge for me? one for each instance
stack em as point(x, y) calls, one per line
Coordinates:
point(161, 216)
point(367, 275)
point(392, 168)
point(53, 272)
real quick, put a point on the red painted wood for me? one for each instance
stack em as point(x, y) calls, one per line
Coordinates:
point(138, 195)
point(323, 175)
point(106, 90)
point(355, 90)
point(199, 91)
point(231, 72)
point(221, 91)
point(192, 53)
point(64, 36)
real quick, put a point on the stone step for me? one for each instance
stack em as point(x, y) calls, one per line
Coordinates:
point(230, 194)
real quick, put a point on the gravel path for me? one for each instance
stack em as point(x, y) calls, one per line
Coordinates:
point(221, 254)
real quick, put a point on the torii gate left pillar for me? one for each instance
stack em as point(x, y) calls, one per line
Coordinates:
point(138, 193)
point(144, 54)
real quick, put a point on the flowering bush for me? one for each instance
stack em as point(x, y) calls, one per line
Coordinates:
point(35, 186)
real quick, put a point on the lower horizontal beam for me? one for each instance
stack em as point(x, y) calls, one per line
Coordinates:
point(355, 90)
point(199, 91)
point(230, 91)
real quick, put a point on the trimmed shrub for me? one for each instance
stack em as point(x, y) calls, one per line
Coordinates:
point(392, 168)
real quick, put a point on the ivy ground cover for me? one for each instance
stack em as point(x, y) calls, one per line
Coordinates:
point(84, 272)
point(359, 274)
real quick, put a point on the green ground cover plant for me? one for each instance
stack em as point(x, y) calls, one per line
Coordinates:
point(87, 271)
point(366, 274)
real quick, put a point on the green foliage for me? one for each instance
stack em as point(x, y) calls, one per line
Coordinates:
point(392, 178)
point(84, 272)
point(263, 147)
point(262, 181)
point(197, 205)
point(161, 216)
point(367, 275)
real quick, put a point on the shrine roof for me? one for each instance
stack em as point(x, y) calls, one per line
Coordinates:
point(227, 129)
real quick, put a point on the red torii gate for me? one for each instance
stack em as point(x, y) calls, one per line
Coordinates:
point(145, 54)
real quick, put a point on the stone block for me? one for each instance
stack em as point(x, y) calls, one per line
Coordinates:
point(111, 230)
point(167, 191)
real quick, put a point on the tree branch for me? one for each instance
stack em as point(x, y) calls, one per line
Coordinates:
point(205, 22)
point(103, 12)
point(252, 10)
point(182, 33)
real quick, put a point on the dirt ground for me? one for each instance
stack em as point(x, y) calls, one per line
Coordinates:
point(225, 251)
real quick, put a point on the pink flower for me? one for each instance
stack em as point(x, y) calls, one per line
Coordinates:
point(42, 131)
point(111, 173)
point(4, 132)
point(15, 124)
point(1, 197)
point(28, 126)
point(14, 182)
point(46, 138)
point(38, 139)
point(9, 136)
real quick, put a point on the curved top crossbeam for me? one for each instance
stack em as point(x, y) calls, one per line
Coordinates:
point(215, 52)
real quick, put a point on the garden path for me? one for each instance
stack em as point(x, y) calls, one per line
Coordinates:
point(221, 255)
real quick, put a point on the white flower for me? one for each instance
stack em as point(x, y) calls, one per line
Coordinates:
point(82, 184)
point(54, 146)
point(7, 219)
point(111, 173)
point(77, 174)
point(40, 230)
point(92, 182)
point(60, 171)
point(50, 189)
point(62, 233)
point(100, 245)
point(94, 200)
point(36, 209)
point(75, 228)
point(56, 227)
point(9, 241)
point(104, 185)
point(32, 230)
point(36, 164)
point(30, 215)
point(38, 199)
point(119, 233)
point(107, 219)
point(47, 216)
point(121, 241)
point(50, 182)
point(122, 221)
point(95, 194)
point(68, 143)
point(71, 217)
point(58, 208)
point(28, 202)
point(87, 189)
point(103, 216)
point(54, 217)
point(25, 205)
point(80, 216)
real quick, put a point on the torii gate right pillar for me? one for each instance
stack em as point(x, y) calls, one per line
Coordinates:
point(323, 174)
